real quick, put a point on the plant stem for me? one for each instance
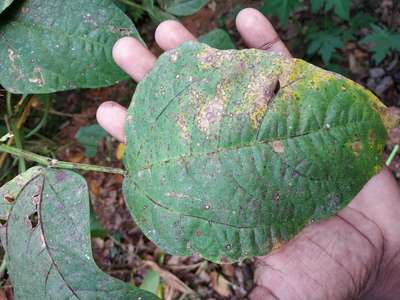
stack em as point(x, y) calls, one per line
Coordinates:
point(18, 143)
point(54, 163)
point(44, 118)
point(3, 266)
point(392, 155)
point(8, 101)
point(132, 4)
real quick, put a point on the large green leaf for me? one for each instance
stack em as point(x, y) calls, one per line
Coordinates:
point(4, 4)
point(47, 241)
point(48, 46)
point(230, 152)
point(182, 7)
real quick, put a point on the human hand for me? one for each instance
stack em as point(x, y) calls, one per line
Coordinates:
point(354, 254)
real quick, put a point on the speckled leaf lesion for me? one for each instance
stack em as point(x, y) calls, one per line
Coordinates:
point(231, 152)
point(48, 46)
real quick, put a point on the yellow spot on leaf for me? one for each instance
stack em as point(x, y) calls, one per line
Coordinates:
point(356, 147)
point(278, 147)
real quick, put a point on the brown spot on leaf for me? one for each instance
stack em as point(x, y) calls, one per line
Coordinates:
point(182, 125)
point(9, 198)
point(36, 199)
point(278, 147)
point(372, 137)
point(211, 113)
point(356, 147)
point(277, 198)
point(198, 233)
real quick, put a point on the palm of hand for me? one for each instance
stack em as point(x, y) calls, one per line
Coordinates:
point(355, 254)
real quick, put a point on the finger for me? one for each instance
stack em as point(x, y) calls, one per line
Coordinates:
point(170, 34)
point(134, 58)
point(258, 32)
point(111, 116)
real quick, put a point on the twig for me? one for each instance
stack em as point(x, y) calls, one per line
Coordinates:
point(54, 163)
point(3, 267)
point(392, 155)
point(44, 118)
point(8, 101)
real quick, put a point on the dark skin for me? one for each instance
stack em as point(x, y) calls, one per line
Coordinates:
point(352, 255)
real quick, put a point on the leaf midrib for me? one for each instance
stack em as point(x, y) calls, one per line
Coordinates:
point(240, 147)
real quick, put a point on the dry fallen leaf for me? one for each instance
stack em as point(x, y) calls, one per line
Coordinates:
point(170, 278)
point(220, 284)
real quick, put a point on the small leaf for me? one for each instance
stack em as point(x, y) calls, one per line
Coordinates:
point(61, 45)
point(218, 38)
point(157, 15)
point(48, 243)
point(89, 136)
point(151, 282)
point(182, 7)
point(325, 43)
point(361, 20)
point(4, 4)
point(96, 228)
point(280, 8)
point(383, 42)
point(341, 8)
point(316, 5)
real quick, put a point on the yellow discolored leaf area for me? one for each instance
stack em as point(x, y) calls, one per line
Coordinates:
point(231, 152)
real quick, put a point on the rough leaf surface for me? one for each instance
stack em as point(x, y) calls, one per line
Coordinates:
point(230, 152)
point(47, 241)
point(61, 45)
point(4, 4)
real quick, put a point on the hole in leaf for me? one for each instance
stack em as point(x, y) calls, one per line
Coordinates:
point(277, 88)
point(34, 220)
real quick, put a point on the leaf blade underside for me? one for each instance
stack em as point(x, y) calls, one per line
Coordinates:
point(48, 234)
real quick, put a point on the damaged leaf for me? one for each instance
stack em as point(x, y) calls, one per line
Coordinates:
point(47, 241)
point(4, 4)
point(231, 152)
point(56, 50)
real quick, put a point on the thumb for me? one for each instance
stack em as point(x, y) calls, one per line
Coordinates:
point(342, 257)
